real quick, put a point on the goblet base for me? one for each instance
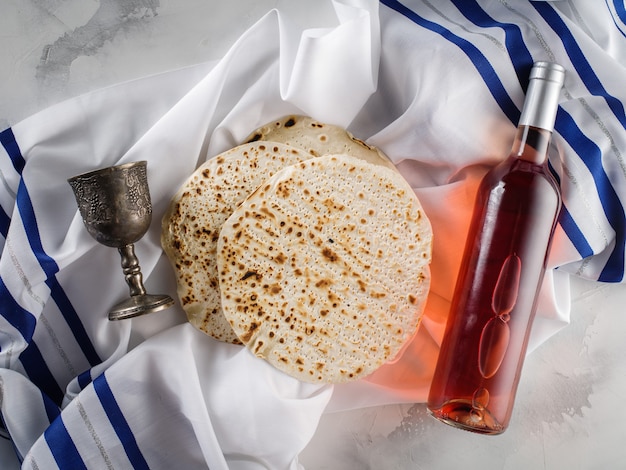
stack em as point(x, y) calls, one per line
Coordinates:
point(138, 305)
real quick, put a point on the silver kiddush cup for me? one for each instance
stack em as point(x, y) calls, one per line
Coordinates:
point(115, 205)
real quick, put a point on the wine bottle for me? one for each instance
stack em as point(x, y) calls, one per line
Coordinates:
point(495, 297)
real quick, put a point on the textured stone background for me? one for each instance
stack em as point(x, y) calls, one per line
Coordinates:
point(568, 412)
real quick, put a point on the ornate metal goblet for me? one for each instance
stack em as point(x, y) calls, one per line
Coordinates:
point(115, 205)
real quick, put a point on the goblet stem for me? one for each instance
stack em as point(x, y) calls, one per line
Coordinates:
point(139, 302)
point(132, 270)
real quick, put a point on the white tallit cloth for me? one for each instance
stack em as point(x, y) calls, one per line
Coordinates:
point(437, 86)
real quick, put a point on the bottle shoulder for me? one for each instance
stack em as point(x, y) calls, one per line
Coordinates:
point(521, 183)
point(517, 171)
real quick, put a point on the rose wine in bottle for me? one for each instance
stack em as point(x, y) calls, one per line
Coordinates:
point(504, 261)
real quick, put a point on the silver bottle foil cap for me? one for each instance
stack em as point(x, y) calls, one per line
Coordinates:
point(542, 96)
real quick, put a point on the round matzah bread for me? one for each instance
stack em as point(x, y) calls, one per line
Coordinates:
point(318, 139)
point(191, 225)
point(324, 269)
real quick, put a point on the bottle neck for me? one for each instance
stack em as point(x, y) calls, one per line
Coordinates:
point(531, 144)
point(536, 123)
point(542, 96)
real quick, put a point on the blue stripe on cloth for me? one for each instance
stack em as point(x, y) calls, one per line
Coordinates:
point(119, 423)
point(71, 317)
point(5, 222)
point(578, 59)
point(574, 233)
point(21, 319)
point(7, 139)
point(591, 155)
point(477, 58)
point(24, 321)
point(37, 370)
point(84, 379)
point(39, 373)
point(29, 221)
point(513, 39)
point(50, 268)
point(52, 409)
point(62, 446)
point(620, 11)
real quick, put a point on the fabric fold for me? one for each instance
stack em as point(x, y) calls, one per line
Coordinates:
point(436, 87)
point(215, 396)
point(302, 84)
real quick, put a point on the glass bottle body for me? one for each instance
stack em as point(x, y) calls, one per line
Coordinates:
point(494, 303)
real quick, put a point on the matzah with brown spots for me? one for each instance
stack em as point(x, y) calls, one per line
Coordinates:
point(191, 225)
point(324, 269)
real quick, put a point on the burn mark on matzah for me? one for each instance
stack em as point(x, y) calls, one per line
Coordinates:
point(250, 274)
point(247, 336)
point(330, 255)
